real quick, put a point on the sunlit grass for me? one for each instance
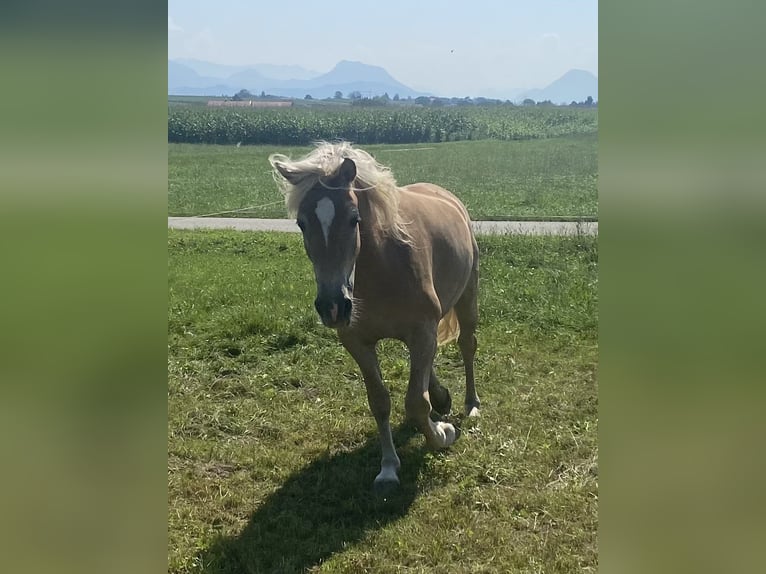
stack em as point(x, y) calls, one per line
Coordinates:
point(272, 449)
point(495, 179)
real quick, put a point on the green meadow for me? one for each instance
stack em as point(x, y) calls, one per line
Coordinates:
point(271, 446)
point(544, 178)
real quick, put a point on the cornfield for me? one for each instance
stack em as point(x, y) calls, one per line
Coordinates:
point(301, 126)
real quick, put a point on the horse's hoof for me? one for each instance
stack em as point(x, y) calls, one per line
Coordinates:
point(450, 433)
point(442, 404)
point(384, 487)
point(445, 436)
point(471, 411)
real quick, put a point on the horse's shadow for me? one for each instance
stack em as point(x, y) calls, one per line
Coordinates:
point(320, 510)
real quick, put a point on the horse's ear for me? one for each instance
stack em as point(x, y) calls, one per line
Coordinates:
point(284, 171)
point(347, 171)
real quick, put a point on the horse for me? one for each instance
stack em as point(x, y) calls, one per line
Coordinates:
point(390, 262)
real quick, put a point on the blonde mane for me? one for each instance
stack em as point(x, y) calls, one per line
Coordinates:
point(374, 180)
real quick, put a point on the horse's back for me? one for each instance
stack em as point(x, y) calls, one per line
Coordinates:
point(439, 212)
point(430, 193)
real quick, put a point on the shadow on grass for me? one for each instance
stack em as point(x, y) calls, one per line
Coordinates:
point(320, 510)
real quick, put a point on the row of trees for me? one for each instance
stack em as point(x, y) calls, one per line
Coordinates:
point(358, 99)
point(246, 95)
point(587, 103)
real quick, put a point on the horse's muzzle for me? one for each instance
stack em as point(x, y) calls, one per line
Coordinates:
point(334, 311)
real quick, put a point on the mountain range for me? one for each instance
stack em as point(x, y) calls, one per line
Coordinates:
point(192, 77)
point(575, 85)
point(196, 77)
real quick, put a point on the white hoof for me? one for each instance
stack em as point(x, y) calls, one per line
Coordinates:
point(445, 434)
point(472, 411)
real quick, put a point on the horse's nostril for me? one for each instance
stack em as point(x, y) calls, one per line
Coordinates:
point(333, 309)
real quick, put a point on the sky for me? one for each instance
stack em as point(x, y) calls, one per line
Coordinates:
point(450, 48)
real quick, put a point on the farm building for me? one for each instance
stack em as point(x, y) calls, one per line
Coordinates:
point(249, 103)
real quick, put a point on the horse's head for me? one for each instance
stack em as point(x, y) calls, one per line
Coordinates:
point(328, 217)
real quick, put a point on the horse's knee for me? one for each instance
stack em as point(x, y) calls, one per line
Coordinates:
point(467, 342)
point(417, 407)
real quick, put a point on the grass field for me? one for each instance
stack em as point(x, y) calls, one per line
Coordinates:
point(495, 179)
point(272, 449)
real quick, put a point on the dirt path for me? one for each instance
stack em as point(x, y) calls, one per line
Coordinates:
point(480, 227)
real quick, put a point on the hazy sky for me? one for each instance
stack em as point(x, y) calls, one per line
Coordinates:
point(450, 47)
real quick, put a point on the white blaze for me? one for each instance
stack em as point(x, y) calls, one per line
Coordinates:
point(325, 213)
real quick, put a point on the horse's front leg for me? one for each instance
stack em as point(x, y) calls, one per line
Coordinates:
point(422, 346)
point(380, 405)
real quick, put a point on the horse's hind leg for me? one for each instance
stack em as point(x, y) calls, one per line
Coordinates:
point(441, 400)
point(422, 346)
point(380, 405)
point(467, 310)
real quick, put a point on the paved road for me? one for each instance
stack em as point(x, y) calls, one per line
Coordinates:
point(480, 227)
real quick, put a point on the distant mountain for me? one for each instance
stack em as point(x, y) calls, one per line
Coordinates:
point(345, 77)
point(511, 94)
point(268, 70)
point(346, 72)
point(210, 69)
point(181, 76)
point(575, 85)
point(250, 79)
point(285, 72)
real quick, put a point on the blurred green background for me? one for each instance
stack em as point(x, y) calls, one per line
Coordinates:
point(681, 203)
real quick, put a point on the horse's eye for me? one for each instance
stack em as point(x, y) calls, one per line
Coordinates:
point(301, 224)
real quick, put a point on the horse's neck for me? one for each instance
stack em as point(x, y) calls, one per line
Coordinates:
point(373, 240)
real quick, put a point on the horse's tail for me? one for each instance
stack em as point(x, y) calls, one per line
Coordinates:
point(448, 329)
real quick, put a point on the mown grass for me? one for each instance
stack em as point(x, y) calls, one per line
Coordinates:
point(272, 449)
point(495, 179)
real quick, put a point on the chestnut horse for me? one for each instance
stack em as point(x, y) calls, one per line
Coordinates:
point(390, 262)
